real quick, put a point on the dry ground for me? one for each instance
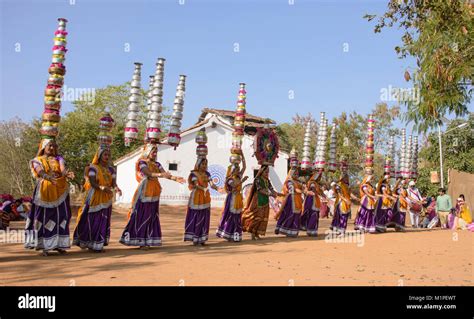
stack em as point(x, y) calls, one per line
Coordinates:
point(422, 257)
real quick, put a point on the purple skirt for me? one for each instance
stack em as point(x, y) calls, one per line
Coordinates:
point(289, 222)
point(395, 218)
point(143, 227)
point(339, 221)
point(310, 217)
point(48, 228)
point(450, 221)
point(365, 220)
point(381, 217)
point(230, 226)
point(304, 219)
point(93, 229)
point(196, 227)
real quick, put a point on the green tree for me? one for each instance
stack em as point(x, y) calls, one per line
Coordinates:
point(18, 148)
point(351, 131)
point(438, 34)
point(77, 138)
point(79, 128)
point(291, 134)
point(458, 153)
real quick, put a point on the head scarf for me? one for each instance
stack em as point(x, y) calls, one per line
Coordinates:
point(229, 170)
point(198, 163)
point(98, 154)
point(317, 176)
point(147, 149)
point(261, 170)
point(367, 179)
point(344, 179)
point(44, 142)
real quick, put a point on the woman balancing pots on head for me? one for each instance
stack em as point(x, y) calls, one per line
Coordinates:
point(365, 220)
point(143, 228)
point(400, 207)
point(342, 203)
point(288, 218)
point(47, 225)
point(93, 218)
point(199, 206)
point(312, 204)
point(230, 226)
point(257, 209)
point(383, 207)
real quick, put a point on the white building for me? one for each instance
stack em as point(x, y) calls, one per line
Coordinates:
point(180, 162)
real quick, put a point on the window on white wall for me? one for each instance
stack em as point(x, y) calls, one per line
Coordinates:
point(172, 166)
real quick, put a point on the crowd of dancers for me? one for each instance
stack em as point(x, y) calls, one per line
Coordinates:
point(382, 205)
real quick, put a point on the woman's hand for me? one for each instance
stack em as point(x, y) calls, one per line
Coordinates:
point(106, 189)
point(179, 179)
point(245, 178)
point(49, 178)
point(118, 190)
point(310, 193)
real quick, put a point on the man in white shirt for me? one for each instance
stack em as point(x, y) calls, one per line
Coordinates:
point(331, 195)
point(415, 202)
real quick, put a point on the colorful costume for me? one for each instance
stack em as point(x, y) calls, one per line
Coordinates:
point(196, 228)
point(365, 220)
point(383, 209)
point(93, 218)
point(290, 212)
point(143, 227)
point(47, 225)
point(342, 203)
point(199, 208)
point(464, 219)
point(399, 210)
point(230, 226)
point(257, 209)
point(311, 208)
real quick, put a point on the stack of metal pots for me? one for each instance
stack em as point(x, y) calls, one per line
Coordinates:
point(52, 94)
point(332, 165)
point(320, 152)
point(174, 136)
point(131, 127)
point(369, 146)
point(306, 160)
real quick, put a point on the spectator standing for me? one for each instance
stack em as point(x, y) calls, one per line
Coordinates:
point(443, 207)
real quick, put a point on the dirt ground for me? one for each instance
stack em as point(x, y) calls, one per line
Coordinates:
point(416, 257)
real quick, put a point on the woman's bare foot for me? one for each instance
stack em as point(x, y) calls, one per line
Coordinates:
point(61, 251)
point(45, 253)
